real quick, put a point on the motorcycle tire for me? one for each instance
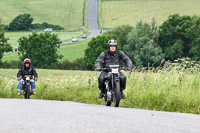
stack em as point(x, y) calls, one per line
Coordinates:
point(27, 93)
point(116, 95)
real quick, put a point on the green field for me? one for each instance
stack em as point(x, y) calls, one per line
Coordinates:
point(66, 13)
point(118, 12)
point(74, 50)
point(165, 90)
point(62, 35)
point(69, 51)
point(14, 36)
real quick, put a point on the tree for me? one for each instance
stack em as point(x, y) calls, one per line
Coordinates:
point(121, 33)
point(4, 45)
point(21, 22)
point(95, 47)
point(40, 48)
point(179, 36)
point(141, 47)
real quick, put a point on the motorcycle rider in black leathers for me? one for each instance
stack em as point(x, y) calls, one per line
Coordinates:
point(112, 56)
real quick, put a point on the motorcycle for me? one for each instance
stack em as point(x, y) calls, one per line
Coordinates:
point(26, 87)
point(112, 83)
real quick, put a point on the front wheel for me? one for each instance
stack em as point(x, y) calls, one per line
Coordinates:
point(27, 92)
point(116, 95)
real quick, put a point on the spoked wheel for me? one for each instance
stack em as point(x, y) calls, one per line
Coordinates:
point(116, 95)
point(108, 103)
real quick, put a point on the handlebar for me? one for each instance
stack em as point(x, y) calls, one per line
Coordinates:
point(123, 68)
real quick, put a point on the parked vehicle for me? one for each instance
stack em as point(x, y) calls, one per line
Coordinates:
point(48, 29)
point(74, 39)
point(84, 36)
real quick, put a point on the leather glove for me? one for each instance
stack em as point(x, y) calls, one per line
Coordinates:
point(98, 69)
point(129, 69)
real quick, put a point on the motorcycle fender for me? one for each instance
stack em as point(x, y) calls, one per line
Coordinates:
point(117, 79)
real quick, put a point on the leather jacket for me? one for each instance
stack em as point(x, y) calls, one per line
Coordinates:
point(106, 58)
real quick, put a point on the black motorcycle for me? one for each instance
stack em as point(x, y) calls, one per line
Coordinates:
point(112, 83)
point(26, 87)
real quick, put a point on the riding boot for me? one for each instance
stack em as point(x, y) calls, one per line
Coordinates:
point(122, 95)
point(19, 93)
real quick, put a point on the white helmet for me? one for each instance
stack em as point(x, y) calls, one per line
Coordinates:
point(112, 42)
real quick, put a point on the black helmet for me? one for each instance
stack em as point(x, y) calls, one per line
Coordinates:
point(112, 42)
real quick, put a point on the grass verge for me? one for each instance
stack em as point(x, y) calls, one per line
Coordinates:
point(165, 90)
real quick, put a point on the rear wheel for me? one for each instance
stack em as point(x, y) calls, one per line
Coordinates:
point(116, 95)
point(107, 103)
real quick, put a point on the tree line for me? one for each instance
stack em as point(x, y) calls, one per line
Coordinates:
point(146, 44)
point(23, 22)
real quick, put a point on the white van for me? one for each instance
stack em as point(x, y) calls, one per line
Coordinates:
point(48, 29)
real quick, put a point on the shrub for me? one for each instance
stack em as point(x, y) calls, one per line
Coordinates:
point(21, 22)
point(78, 64)
point(142, 48)
point(40, 48)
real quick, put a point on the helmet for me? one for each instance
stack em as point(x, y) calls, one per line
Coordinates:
point(112, 42)
point(27, 61)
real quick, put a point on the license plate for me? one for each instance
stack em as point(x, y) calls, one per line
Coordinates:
point(27, 78)
point(114, 70)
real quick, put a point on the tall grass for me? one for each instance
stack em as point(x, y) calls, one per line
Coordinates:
point(164, 90)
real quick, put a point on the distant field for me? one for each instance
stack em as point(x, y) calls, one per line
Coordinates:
point(74, 50)
point(118, 12)
point(14, 36)
point(66, 13)
point(69, 51)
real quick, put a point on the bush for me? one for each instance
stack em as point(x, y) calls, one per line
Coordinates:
point(78, 64)
point(142, 48)
point(40, 48)
point(179, 36)
point(4, 45)
point(11, 64)
point(21, 23)
point(45, 25)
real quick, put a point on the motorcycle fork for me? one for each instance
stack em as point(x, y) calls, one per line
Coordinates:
point(115, 78)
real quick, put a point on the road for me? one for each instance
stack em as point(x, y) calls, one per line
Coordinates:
point(92, 21)
point(43, 116)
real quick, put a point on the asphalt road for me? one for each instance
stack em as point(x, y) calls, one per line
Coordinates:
point(43, 116)
point(92, 21)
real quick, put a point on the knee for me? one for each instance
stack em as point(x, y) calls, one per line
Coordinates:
point(123, 78)
point(32, 81)
point(101, 79)
point(20, 81)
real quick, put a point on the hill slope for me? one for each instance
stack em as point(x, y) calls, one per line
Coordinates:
point(66, 13)
point(118, 12)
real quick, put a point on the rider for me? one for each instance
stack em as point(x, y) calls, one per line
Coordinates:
point(112, 56)
point(27, 69)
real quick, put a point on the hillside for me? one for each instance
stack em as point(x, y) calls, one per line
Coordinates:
point(118, 12)
point(66, 13)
